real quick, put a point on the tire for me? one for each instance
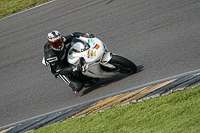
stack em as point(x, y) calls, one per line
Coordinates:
point(123, 65)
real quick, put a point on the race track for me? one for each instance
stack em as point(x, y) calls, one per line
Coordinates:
point(161, 37)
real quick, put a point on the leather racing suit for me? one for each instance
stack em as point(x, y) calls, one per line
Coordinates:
point(58, 65)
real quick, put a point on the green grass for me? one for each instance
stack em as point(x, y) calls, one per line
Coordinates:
point(175, 113)
point(9, 7)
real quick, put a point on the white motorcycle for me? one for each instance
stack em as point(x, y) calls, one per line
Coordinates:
point(99, 63)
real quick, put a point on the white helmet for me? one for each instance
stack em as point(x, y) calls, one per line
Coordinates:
point(55, 40)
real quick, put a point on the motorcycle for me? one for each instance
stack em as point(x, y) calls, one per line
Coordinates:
point(99, 62)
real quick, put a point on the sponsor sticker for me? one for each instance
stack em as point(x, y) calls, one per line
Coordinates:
point(96, 46)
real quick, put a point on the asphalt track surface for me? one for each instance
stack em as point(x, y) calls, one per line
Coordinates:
point(161, 37)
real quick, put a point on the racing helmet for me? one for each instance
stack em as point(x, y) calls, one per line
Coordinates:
point(55, 40)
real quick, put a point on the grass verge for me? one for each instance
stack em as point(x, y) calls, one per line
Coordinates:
point(175, 113)
point(9, 7)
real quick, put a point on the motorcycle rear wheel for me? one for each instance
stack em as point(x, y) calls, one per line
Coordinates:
point(123, 65)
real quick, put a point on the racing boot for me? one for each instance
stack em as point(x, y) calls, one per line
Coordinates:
point(76, 86)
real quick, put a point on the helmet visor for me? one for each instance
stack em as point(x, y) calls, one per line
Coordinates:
point(57, 44)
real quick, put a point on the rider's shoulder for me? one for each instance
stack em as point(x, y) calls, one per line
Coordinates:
point(46, 46)
point(48, 50)
point(50, 54)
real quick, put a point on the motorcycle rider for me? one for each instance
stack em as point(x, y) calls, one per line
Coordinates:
point(55, 56)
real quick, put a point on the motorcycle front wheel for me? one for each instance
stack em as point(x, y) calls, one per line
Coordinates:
point(123, 65)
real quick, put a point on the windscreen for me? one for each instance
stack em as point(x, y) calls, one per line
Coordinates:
point(77, 45)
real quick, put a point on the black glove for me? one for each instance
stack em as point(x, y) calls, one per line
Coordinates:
point(89, 35)
point(77, 69)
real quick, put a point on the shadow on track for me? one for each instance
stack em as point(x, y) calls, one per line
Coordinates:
point(105, 82)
